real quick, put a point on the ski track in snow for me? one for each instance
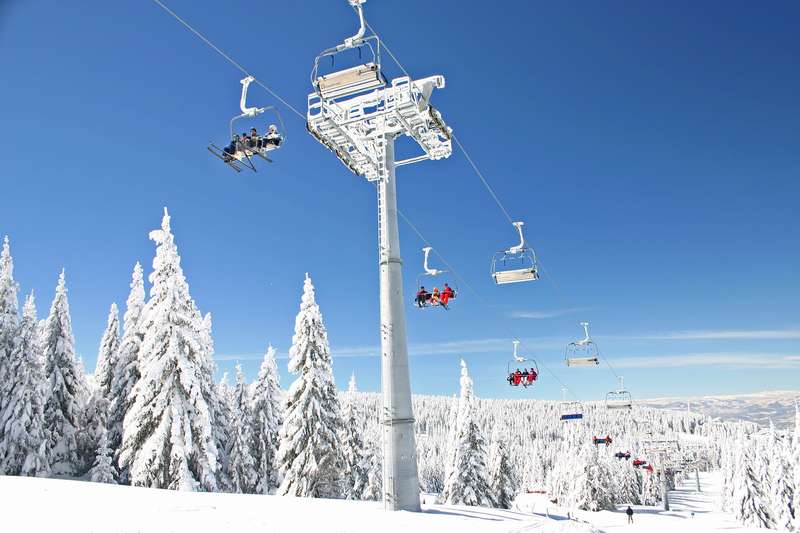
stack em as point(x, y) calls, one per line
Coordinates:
point(648, 519)
point(82, 507)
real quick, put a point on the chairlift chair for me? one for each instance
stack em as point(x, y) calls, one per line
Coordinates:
point(602, 440)
point(569, 411)
point(620, 398)
point(347, 106)
point(428, 301)
point(583, 352)
point(529, 364)
point(517, 264)
point(240, 154)
point(361, 78)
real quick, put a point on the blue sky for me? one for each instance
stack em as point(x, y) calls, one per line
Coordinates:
point(653, 150)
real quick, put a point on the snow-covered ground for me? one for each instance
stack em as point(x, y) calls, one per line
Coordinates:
point(33, 505)
point(45, 505)
point(683, 501)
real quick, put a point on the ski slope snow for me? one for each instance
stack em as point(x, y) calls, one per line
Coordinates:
point(34, 505)
point(684, 501)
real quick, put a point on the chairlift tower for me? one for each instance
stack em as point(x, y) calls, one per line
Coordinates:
point(358, 115)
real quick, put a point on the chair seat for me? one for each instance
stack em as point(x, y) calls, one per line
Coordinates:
point(583, 361)
point(503, 277)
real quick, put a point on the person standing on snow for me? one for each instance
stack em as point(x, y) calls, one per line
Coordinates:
point(629, 512)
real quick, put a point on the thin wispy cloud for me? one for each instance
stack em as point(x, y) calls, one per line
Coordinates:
point(254, 356)
point(469, 346)
point(719, 359)
point(735, 334)
point(553, 345)
point(546, 313)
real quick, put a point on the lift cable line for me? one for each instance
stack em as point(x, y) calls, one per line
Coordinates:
point(228, 58)
point(491, 193)
point(479, 297)
point(455, 139)
point(300, 115)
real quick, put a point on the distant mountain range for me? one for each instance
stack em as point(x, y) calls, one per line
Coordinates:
point(759, 407)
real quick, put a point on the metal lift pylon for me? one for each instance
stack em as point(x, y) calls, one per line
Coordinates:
point(358, 115)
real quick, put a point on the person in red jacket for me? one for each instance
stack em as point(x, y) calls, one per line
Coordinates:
point(608, 440)
point(517, 377)
point(532, 375)
point(447, 293)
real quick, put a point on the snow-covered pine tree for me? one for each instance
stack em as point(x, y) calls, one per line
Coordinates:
point(219, 400)
point(242, 466)
point(222, 410)
point(356, 468)
point(750, 503)
point(168, 440)
point(727, 467)
point(126, 368)
point(310, 454)
point(102, 470)
point(8, 325)
point(468, 483)
point(501, 475)
point(373, 452)
point(794, 462)
point(107, 354)
point(66, 387)
point(628, 483)
point(267, 409)
point(780, 483)
point(452, 434)
point(591, 488)
point(24, 439)
point(94, 421)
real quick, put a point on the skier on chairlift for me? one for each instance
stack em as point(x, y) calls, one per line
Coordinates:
point(447, 293)
point(255, 141)
point(422, 297)
point(435, 296)
point(532, 376)
point(272, 137)
point(230, 150)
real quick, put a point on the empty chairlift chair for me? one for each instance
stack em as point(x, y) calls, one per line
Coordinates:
point(517, 264)
point(620, 398)
point(349, 104)
point(361, 78)
point(569, 411)
point(583, 352)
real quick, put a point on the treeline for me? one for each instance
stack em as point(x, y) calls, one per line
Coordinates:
point(153, 416)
